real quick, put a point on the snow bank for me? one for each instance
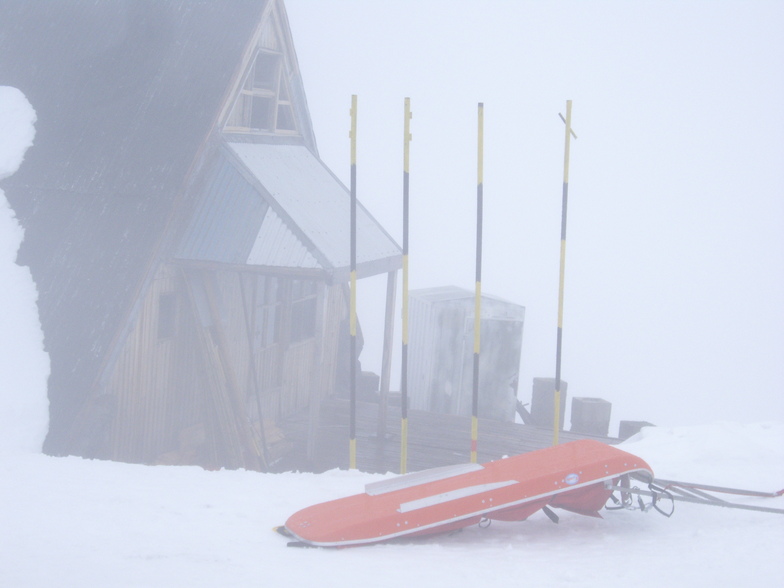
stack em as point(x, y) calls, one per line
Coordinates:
point(752, 455)
point(24, 365)
point(75, 522)
point(16, 129)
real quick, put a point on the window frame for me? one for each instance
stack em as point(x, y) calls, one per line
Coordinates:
point(273, 91)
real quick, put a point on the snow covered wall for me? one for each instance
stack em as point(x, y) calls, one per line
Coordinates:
point(24, 365)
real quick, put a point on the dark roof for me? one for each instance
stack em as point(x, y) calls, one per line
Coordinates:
point(126, 92)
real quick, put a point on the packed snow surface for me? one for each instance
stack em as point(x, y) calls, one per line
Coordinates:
point(74, 522)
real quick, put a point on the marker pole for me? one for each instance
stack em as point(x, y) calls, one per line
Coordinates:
point(557, 397)
point(352, 451)
point(478, 295)
point(404, 367)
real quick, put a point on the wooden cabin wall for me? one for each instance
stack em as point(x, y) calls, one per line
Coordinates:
point(141, 382)
point(194, 384)
point(335, 314)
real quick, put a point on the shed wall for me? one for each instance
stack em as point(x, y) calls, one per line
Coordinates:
point(211, 391)
point(441, 353)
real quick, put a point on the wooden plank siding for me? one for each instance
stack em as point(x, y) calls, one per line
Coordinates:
point(209, 393)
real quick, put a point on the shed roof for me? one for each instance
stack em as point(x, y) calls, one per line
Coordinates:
point(449, 293)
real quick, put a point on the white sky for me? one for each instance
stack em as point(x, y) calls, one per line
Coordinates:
point(675, 243)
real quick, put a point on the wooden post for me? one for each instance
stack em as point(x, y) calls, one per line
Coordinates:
point(352, 450)
point(386, 358)
point(252, 365)
point(316, 377)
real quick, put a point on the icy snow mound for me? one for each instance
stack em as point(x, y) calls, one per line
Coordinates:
point(24, 365)
point(17, 118)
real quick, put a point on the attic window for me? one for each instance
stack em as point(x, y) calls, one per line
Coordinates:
point(265, 71)
point(264, 104)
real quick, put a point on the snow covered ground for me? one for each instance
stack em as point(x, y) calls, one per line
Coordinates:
point(73, 522)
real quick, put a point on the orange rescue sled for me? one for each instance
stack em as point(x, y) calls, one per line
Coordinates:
point(576, 476)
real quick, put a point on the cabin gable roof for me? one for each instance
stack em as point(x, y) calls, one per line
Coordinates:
point(126, 93)
point(133, 99)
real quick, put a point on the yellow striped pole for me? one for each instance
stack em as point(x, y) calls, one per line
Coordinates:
point(352, 451)
point(557, 397)
point(478, 296)
point(404, 367)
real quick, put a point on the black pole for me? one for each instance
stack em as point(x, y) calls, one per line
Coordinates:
point(352, 452)
point(404, 351)
point(478, 294)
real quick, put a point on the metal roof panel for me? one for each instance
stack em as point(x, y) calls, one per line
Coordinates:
point(277, 246)
point(314, 203)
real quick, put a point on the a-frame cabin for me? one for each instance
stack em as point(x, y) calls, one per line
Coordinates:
point(190, 249)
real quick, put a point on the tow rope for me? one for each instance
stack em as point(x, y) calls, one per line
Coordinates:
point(663, 491)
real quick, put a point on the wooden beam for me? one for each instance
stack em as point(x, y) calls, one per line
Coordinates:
point(252, 365)
point(316, 391)
point(386, 357)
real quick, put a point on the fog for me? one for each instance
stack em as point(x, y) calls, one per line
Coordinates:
point(106, 523)
point(675, 248)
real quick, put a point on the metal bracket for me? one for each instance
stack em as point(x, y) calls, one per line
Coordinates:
point(571, 130)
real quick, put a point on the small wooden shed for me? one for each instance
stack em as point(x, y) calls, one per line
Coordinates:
point(441, 349)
